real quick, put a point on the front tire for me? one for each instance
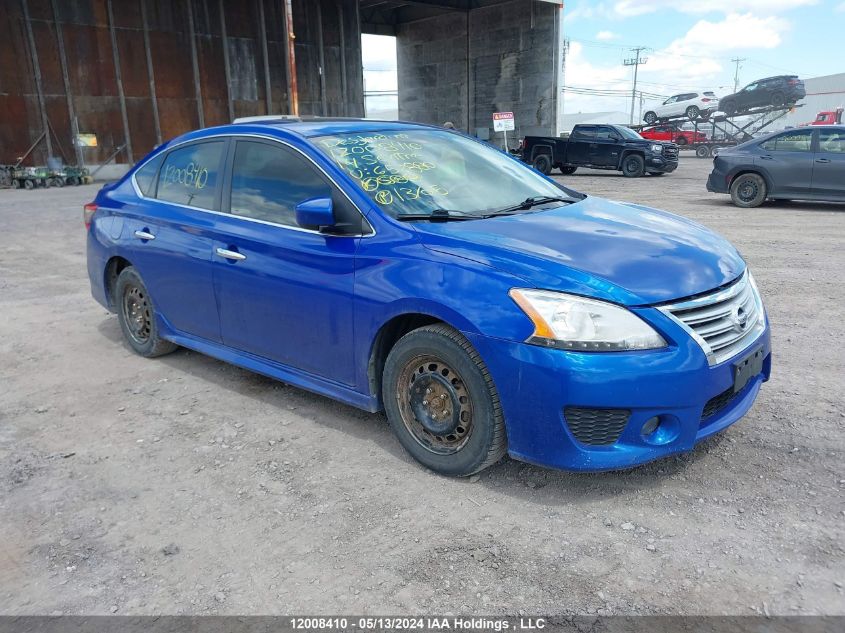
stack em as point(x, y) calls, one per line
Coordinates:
point(650, 117)
point(702, 151)
point(633, 166)
point(748, 190)
point(778, 100)
point(441, 402)
point(136, 315)
point(681, 141)
point(567, 170)
point(728, 107)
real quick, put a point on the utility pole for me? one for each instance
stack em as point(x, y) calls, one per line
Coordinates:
point(635, 62)
point(564, 49)
point(737, 61)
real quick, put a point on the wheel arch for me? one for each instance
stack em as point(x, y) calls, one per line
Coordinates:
point(393, 329)
point(741, 171)
point(628, 152)
point(114, 266)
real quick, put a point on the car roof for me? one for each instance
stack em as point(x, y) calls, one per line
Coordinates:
point(322, 126)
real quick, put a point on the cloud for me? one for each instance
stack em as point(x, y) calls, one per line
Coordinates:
point(605, 36)
point(840, 8)
point(629, 8)
point(696, 60)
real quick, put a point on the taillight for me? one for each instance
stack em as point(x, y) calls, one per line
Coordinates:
point(792, 82)
point(706, 100)
point(87, 213)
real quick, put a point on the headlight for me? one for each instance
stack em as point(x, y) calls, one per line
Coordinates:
point(657, 148)
point(576, 323)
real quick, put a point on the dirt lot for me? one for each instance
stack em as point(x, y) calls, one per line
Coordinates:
point(184, 485)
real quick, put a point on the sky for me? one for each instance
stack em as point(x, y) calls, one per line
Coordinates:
point(691, 44)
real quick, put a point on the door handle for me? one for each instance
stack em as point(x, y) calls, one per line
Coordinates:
point(822, 160)
point(766, 158)
point(144, 235)
point(233, 255)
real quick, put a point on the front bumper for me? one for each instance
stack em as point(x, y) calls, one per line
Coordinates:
point(675, 384)
point(660, 164)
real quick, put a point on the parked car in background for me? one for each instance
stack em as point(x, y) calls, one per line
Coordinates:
point(783, 90)
point(798, 164)
point(692, 105)
point(673, 134)
point(600, 147)
point(488, 309)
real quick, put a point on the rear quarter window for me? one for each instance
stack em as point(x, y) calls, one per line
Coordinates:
point(145, 177)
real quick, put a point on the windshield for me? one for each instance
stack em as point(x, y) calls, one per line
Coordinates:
point(627, 132)
point(419, 171)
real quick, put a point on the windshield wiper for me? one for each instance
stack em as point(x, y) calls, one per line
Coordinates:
point(527, 204)
point(437, 215)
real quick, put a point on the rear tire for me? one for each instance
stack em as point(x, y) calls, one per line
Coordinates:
point(543, 164)
point(729, 107)
point(702, 151)
point(568, 169)
point(693, 112)
point(136, 315)
point(28, 184)
point(650, 117)
point(778, 100)
point(748, 190)
point(681, 141)
point(633, 166)
point(441, 402)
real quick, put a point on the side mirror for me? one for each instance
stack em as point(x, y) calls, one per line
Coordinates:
point(315, 212)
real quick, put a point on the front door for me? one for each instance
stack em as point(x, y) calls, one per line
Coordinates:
point(167, 237)
point(285, 292)
point(829, 165)
point(604, 151)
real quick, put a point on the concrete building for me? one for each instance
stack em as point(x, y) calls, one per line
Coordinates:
point(133, 73)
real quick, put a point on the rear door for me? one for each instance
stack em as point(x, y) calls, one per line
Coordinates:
point(829, 164)
point(578, 148)
point(285, 292)
point(788, 159)
point(167, 236)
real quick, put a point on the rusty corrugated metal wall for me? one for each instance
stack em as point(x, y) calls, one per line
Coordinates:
point(119, 52)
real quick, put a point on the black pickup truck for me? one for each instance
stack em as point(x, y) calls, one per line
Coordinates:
point(601, 147)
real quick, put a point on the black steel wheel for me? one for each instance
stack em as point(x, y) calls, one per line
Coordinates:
point(543, 164)
point(568, 169)
point(441, 402)
point(136, 314)
point(748, 190)
point(633, 166)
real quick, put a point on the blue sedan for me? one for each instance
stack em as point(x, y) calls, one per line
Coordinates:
point(484, 307)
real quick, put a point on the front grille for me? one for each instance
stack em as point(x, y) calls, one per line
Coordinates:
point(724, 322)
point(717, 403)
point(596, 427)
point(670, 151)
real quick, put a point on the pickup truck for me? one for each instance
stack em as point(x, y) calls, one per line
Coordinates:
point(600, 147)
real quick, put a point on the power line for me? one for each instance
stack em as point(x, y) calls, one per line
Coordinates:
point(635, 62)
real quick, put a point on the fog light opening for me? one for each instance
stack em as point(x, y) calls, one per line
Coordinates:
point(651, 425)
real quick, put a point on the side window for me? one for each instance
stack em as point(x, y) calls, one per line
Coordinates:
point(790, 142)
point(189, 175)
point(145, 177)
point(832, 141)
point(585, 133)
point(605, 134)
point(268, 181)
point(750, 87)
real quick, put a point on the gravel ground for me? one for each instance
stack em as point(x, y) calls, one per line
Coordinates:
point(183, 485)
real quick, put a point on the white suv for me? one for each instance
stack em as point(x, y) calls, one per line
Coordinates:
point(692, 105)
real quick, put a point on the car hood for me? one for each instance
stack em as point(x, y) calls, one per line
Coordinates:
point(620, 252)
